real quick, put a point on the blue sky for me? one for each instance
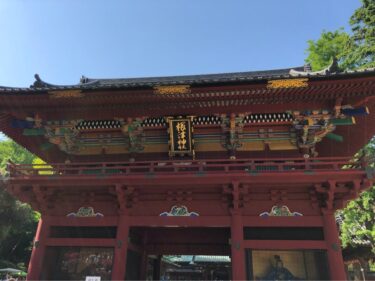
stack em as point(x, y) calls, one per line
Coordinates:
point(62, 40)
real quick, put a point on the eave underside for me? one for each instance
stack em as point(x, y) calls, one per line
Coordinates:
point(254, 98)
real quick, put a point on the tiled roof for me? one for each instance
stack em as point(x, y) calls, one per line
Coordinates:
point(205, 79)
point(191, 79)
point(89, 83)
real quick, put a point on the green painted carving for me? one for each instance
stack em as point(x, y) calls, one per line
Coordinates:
point(310, 128)
point(134, 132)
point(46, 146)
point(34, 132)
point(335, 137)
point(179, 211)
point(64, 137)
point(85, 212)
point(280, 211)
point(232, 127)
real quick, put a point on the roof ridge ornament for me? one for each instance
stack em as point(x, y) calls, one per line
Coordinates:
point(84, 81)
point(332, 68)
point(38, 83)
point(87, 81)
point(307, 67)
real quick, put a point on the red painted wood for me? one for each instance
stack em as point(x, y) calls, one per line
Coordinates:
point(237, 248)
point(262, 165)
point(209, 99)
point(284, 244)
point(304, 221)
point(194, 180)
point(84, 242)
point(159, 184)
point(225, 221)
point(38, 253)
point(120, 255)
point(66, 221)
point(335, 259)
point(207, 221)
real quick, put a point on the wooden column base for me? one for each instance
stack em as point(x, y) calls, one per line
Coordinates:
point(39, 249)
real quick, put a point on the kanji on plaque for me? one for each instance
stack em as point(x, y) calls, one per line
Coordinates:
point(180, 136)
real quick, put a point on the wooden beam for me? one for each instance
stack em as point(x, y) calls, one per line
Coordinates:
point(284, 244)
point(304, 221)
point(75, 242)
point(98, 222)
point(207, 221)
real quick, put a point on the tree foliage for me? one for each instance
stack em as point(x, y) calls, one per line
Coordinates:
point(358, 218)
point(9, 150)
point(330, 45)
point(357, 225)
point(353, 51)
point(17, 220)
point(362, 43)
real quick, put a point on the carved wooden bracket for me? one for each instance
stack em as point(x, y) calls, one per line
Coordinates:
point(179, 195)
point(279, 195)
point(126, 198)
point(134, 131)
point(41, 198)
point(238, 195)
point(314, 199)
point(232, 128)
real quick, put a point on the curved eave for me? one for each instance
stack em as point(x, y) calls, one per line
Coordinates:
point(201, 80)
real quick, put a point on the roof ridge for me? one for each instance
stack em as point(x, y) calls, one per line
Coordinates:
point(195, 75)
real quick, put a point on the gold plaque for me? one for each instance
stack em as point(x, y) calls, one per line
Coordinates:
point(180, 136)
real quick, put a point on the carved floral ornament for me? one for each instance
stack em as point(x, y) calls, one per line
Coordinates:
point(179, 211)
point(288, 83)
point(66, 94)
point(280, 211)
point(85, 212)
point(171, 90)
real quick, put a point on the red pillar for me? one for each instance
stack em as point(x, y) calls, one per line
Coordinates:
point(119, 261)
point(238, 252)
point(335, 260)
point(39, 249)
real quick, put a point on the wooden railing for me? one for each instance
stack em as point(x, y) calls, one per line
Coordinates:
point(252, 166)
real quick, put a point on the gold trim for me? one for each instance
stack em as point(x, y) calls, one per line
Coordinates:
point(172, 90)
point(66, 94)
point(288, 83)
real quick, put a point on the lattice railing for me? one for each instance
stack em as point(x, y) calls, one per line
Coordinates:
point(277, 165)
